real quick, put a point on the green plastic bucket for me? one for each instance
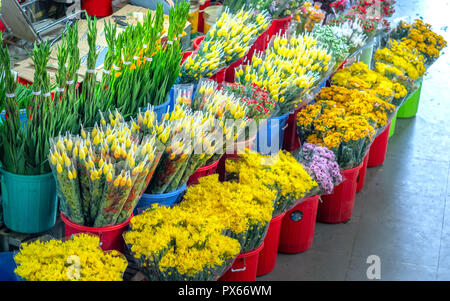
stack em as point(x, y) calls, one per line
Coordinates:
point(393, 123)
point(411, 105)
point(29, 202)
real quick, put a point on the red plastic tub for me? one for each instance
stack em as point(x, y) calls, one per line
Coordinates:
point(268, 255)
point(110, 237)
point(259, 45)
point(231, 72)
point(244, 267)
point(297, 228)
point(2, 27)
point(362, 174)
point(338, 206)
point(186, 55)
point(201, 19)
point(279, 26)
point(197, 41)
point(377, 152)
point(220, 76)
point(97, 8)
point(291, 140)
point(203, 172)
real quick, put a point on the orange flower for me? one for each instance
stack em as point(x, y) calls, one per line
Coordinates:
point(132, 67)
point(117, 74)
point(138, 62)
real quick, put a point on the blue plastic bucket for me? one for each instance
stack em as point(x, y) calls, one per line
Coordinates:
point(165, 199)
point(270, 133)
point(23, 117)
point(7, 267)
point(29, 202)
point(162, 109)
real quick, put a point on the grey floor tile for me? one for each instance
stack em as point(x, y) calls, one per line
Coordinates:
point(397, 241)
point(443, 274)
point(403, 206)
point(335, 237)
point(309, 266)
point(390, 271)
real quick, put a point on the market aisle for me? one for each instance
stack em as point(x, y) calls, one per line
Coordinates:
point(403, 213)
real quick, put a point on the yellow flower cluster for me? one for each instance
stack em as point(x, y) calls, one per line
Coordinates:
point(282, 172)
point(359, 76)
point(409, 61)
point(226, 42)
point(79, 258)
point(422, 38)
point(356, 102)
point(288, 68)
point(181, 240)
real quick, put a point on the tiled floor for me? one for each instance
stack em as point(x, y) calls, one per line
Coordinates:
point(403, 213)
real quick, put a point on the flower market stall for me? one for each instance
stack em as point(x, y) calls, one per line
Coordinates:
point(203, 164)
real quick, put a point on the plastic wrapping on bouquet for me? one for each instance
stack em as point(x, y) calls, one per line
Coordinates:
point(110, 237)
point(297, 228)
point(337, 207)
point(230, 71)
point(244, 268)
point(259, 45)
point(378, 149)
point(268, 255)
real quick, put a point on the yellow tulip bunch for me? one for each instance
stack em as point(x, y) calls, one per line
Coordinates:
point(102, 173)
point(289, 69)
point(226, 42)
point(177, 244)
point(77, 259)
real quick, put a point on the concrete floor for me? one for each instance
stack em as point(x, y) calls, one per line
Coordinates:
point(403, 213)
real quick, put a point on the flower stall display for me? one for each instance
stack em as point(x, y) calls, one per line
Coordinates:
point(289, 69)
point(336, 44)
point(353, 34)
point(281, 172)
point(77, 259)
point(180, 245)
point(102, 173)
point(225, 43)
point(307, 17)
point(348, 136)
point(320, 162)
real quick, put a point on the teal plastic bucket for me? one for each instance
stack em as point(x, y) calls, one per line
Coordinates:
point(410, 107)
point(393, 123)
point(29, 202)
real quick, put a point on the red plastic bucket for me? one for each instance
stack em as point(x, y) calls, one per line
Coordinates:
point(259, 45)
point(230, 72)
point(186, 55)
point(268, 255)
point(297, 228)
point(220, 76)
point(197, 41)
point(338, 206)
point(244, 267)
point(362, 174)
point(203, 172)
point(291, 140)
point(279, 26)
point(201, 19)
point(97, 8)
point(2, 27)
point(110, 237)
point(377, 152)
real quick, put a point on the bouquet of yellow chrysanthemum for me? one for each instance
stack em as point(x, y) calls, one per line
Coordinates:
point(226, 42)
point(101, 174)
point(281, 172)
point(78, 259)
point(348, 136)
point(180, 245)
